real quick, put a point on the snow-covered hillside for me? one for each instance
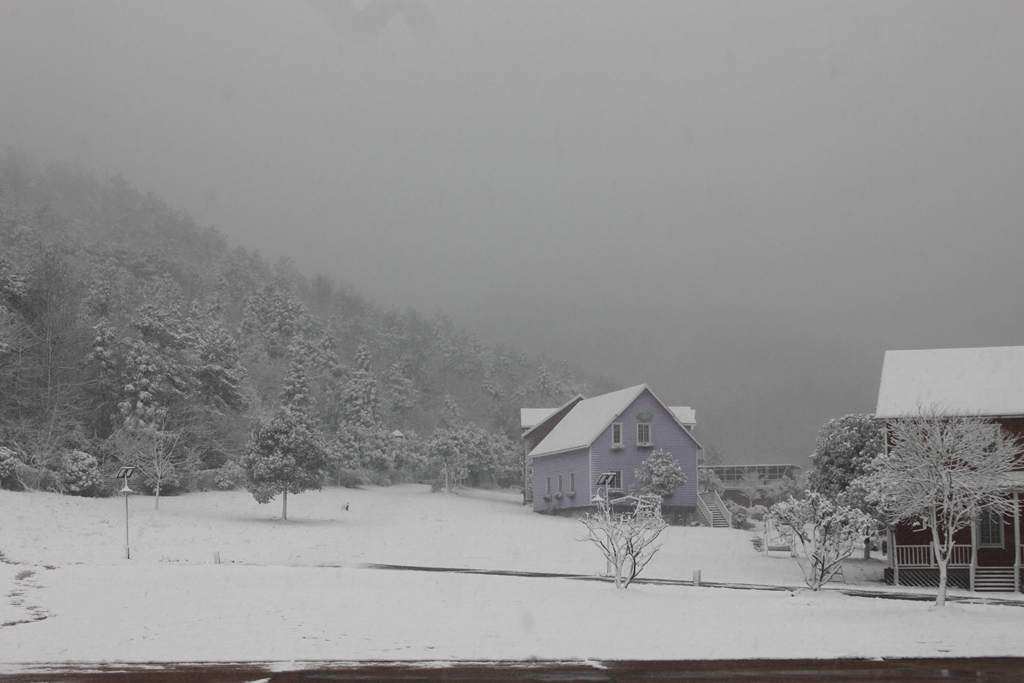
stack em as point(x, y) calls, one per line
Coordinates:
point(301, 590)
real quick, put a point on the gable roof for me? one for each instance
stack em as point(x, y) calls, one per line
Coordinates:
point(586, 421)
point(979, 381)
point(544, 418)
point(685, 414)
point(589, 418)
point(531, 417)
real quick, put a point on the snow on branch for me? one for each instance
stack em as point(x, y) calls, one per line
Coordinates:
point(941, 471)
point(626, 539)
point(827, 532)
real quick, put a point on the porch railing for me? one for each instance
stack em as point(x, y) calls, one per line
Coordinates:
point(922, 556)
point(723, 508)
point(704, 511)
point(712, 498)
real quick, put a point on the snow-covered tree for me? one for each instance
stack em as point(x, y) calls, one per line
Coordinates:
point(364, 361)
point(285, 455)
point(544, 385)
point(941, 471)
point(713, 455)
point(448, 452)
point(399, 391)
point(708, 481)
point(271, 320)
point(295, 392)
point(784, 488)
point(8, 466)
point(627, 540)
point(360, 447)
point(360, 400)
point(828, 534)
point(490, 458)
point(450, 417)
point(752, 486)
point(844, 449)
point(79, 473)
point(219, 373)
point(660, 474)
point(155, 452)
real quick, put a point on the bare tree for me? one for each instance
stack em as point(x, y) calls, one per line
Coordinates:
point(155, 452)
point(941, 470)
point(752, 486)
point(626, 539)
point(828, 534)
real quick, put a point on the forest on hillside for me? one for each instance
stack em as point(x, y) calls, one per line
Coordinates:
point(129, 335)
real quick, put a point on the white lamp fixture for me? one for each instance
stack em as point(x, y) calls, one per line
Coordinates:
point(126, 473)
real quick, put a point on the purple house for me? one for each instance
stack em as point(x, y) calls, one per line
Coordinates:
point(569, 447)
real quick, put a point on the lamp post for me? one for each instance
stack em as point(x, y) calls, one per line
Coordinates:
point(604, 504)
point(604, 481)
point(126, 473)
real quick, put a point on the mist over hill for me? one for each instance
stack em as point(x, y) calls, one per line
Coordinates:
point(119, 314)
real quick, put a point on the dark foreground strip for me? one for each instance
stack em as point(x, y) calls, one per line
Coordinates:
point(853, 592)
point(990, 670)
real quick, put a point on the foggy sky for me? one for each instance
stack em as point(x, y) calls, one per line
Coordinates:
point(743, 204)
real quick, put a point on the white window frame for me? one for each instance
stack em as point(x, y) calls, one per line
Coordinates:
point(648, 426)
point(1001, 525)
point(617, 427)
point(617, 480)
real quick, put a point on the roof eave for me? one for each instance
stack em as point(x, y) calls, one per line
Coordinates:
point(901, 416)
point(555, 412)
point(559, 452)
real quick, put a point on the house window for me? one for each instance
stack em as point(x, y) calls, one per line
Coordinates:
point(617, 434)
point(616, 482)
point(549, 486)
point(559, 483)
point(572, 482)
point(991, 448)
point(643, 432)
point(990, 528)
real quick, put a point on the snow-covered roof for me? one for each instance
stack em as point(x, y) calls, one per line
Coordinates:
point(531, 417)
point(551, 414)
point(685, 414)
point(586, 421)
point(980, 381)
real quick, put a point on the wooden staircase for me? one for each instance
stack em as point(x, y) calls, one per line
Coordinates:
point(718, 520)
point(994, 579)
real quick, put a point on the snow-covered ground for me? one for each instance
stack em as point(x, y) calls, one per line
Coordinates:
point(300, 590)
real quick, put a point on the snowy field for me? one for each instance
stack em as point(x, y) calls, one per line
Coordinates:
point(301, 590)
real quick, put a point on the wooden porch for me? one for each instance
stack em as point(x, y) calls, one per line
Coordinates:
point(915, 565)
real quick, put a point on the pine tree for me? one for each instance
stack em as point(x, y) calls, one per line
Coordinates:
point(295, 394)
point(220, 373)
point(447, 452)
point(364, 361)
point(360, 402)
point(285, 454)
point(450, 417)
